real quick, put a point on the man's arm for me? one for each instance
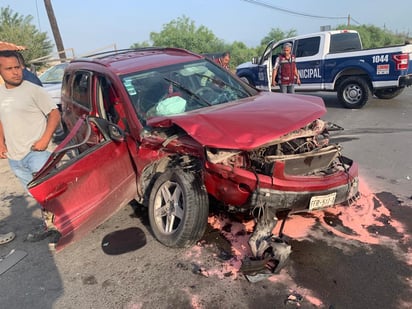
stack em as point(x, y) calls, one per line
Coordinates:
point(275, 71)
point(3, 148)
point(297, 76)
point(53, 120)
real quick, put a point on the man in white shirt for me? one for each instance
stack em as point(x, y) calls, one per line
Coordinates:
point(28, 118)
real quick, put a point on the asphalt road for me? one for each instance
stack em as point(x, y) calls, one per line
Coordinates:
point(357, 257)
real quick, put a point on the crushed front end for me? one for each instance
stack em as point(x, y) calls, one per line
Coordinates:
point(292, 172)
point(299, 172)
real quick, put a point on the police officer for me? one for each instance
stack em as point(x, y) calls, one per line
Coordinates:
point(285, 65)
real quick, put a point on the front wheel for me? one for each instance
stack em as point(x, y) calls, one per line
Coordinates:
point(388, 93)
point(178, 208)
point(353, 92)
point(247, 80)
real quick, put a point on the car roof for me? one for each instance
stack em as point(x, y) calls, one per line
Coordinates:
point(125, 61)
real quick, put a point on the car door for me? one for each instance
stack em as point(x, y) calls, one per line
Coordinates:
point(309, 62)
point(88, 177)
point(265, 68)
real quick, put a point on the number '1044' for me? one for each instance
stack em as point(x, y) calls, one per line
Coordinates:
point(380, 58)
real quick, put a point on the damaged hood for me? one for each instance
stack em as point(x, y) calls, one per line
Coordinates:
point(248, 123)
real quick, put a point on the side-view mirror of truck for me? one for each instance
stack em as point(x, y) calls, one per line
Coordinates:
point(255, 60)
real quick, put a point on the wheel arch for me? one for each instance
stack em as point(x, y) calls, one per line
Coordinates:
point(352, 72)
point(151, 172)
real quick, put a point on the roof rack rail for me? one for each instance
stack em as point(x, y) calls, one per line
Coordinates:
point(120, 51)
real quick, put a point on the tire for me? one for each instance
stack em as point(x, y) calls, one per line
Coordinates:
point(388, 93)
point(247, 80)
point(178, 208)
point(353, 92)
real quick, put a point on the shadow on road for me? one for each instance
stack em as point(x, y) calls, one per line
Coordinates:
point(34, 281)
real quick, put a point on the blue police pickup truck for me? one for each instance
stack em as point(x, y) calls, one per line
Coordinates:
point(335, 61)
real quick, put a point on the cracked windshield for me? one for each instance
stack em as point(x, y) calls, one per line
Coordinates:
point(181, 88)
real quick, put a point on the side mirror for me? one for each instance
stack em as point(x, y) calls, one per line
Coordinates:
point(108, 129)
point(255, 60)
point(115, 132)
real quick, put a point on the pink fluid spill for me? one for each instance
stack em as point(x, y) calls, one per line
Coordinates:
point(368, 211)
point(239, 245)
point(313, 300)
point(358, 217)
point(196, 303)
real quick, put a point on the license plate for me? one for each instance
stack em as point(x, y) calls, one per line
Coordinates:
point(322, 201)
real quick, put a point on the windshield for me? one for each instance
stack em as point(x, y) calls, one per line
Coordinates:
point(182, 88)
point(54, 74)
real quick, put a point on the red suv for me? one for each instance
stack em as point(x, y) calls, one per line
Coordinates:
point(173, 130)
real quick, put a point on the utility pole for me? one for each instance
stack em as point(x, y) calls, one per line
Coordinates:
point(348, 20)
point(55, 30)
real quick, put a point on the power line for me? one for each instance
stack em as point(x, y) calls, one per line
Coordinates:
point(352, 19)
point(38, 18)
point(273, 7)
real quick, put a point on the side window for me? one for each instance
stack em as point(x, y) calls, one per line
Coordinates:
point(81, 89)
point(108, 102)
point(65, 84)
point(277, 51)
point(307, 47)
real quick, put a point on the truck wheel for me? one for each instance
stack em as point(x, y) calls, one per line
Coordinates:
point(247, 80)
point(388, 93)
point(353, 92)
point(178, 208)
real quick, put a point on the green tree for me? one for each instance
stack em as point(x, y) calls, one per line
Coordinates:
point(277, 35)
point(140, 44)
point(18, 29)
point(183, 33)
point(240, 53)
point(373, 36)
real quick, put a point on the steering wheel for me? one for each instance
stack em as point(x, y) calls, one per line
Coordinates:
point(206, 93)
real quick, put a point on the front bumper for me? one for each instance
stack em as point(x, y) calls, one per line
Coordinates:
point(246, 190)
point(301, 201)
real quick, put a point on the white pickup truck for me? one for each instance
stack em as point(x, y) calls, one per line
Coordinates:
point(335, 61)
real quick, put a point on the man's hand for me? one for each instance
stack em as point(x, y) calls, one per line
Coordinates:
point(3, 152)
point(53, 120)
point(40, 145)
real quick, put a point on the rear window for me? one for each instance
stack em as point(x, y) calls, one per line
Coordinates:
point(342, 42)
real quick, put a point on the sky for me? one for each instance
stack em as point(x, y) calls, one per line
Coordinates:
point(96, 25)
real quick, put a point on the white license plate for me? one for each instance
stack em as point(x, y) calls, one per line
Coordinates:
point(322, 201)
